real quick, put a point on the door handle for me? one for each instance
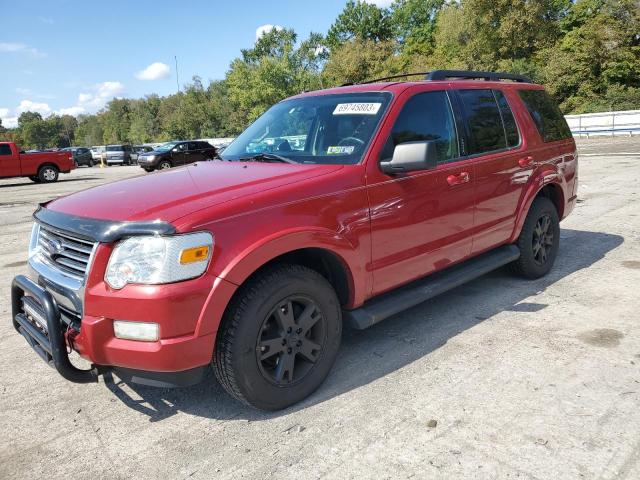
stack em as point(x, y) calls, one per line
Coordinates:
point(462, 177)
point(526, 161)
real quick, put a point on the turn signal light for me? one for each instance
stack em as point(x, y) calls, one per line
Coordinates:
point(195, 254)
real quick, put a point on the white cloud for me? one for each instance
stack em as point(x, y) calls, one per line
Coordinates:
point(155, 71)
point(262, 29)
point(94, 99)
point(89, 101)
point(11, 47)
point(8, 121)
point(28, 106)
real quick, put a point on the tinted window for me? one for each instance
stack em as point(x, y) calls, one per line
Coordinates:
point(510, 128)
point(546, 115)
point(5, 149)
point(484, 121)
point(426, 116)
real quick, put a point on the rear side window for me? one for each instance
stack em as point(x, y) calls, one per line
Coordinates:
point(5, 149)
point(510, 128)
point(484, 121)
point(546, 115)
point(426, 116)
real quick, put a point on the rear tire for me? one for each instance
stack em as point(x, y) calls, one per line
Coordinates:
point(279, 337)
point(48, 174)
point(539, 240)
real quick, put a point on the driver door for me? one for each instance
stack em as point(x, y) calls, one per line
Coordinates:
point(421, 221)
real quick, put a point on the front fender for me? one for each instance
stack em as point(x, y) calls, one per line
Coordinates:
point(257, 254)
point(266, 249)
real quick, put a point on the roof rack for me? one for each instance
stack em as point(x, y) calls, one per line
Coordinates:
point(451, 75)
point(392, 77)
point(471, 75)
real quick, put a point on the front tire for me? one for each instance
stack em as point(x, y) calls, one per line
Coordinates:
point(279, 337)
point(164, 164)
point(539, 240)
point(48, 174)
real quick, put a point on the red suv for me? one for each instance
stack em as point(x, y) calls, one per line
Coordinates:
point(342, 205)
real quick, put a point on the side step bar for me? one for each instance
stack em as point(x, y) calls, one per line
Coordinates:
point(388, 304)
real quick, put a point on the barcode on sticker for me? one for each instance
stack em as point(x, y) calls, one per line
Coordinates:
point(357, 108)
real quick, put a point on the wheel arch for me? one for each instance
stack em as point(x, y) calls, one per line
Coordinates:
point(548, 186)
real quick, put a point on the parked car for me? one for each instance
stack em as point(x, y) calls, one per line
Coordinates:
point(399, 192)
point(39, 167)
point(138, 149)
point(174, 154)
point(97, 151)
point(118, 154)
point(81, 155)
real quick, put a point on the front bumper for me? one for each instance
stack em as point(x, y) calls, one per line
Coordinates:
point(46, 336)
point(170, 362)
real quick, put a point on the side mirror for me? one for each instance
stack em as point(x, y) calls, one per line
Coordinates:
point(411, 156)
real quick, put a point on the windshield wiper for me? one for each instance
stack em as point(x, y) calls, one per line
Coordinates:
point(266, 157)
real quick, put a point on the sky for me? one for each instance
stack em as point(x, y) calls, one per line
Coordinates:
point(72, 56)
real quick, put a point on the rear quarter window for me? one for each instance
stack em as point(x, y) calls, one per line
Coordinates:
point(546, 115)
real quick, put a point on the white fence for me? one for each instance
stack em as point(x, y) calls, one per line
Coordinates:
point(625, 122)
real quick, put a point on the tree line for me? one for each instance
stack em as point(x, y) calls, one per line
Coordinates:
point(587, 53)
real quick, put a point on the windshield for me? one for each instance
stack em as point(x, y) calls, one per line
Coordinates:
point(166, 146)
point(331, 129)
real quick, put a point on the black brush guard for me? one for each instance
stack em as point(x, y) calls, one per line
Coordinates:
point(49, 345)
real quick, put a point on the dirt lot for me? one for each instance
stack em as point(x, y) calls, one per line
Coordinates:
point(500, 378)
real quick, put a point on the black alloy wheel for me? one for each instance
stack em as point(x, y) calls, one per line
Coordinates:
point(291, 340)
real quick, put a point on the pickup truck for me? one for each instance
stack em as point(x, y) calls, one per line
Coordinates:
point(342, 205)
point(39, 167)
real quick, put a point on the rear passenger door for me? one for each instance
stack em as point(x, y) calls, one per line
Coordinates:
point(193, 153)
point(494, 145)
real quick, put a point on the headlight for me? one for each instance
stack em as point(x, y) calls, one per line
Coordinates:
point(154, 260)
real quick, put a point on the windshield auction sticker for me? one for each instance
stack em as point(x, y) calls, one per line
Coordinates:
point(340, 150)
point(357, 108)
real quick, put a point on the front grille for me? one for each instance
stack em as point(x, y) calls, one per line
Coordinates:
point(65, 252)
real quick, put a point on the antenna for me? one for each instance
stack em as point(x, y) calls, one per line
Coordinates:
point(177, 81)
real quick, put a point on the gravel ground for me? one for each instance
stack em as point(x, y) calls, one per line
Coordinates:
point(499, 378)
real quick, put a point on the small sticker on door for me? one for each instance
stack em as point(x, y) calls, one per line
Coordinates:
point(357, 108)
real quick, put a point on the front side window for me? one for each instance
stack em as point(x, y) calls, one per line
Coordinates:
point(329, 129)
point(426, 116)
point(484, 121)
point(546, 115)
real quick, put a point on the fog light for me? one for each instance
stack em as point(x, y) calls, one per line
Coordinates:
point(142, 331)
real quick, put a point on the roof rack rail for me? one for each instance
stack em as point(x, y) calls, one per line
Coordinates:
point(392, 77)
point(470, 75)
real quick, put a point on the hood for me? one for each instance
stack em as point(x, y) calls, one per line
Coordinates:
point(174, 193)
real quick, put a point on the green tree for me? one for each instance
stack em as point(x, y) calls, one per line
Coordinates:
point(413, 23)
point(117, 121)
point(359, 60)
point(595, 66)
point(360, 20)
point(89, 131)
point(272, 70)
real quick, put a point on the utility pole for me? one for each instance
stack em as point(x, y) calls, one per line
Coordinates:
point(177, 78)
